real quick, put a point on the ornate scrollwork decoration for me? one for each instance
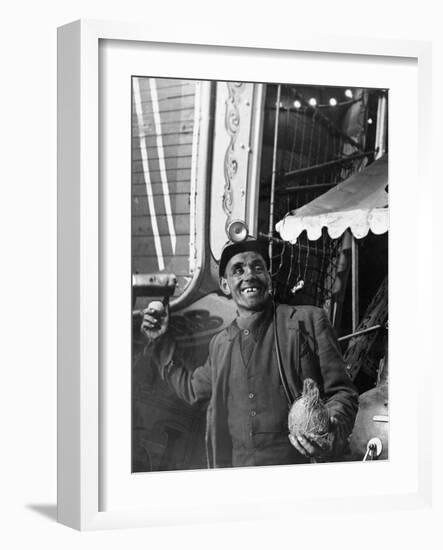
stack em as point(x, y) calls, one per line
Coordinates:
point(232, 125)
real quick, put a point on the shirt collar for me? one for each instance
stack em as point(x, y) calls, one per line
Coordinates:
point(257, 326)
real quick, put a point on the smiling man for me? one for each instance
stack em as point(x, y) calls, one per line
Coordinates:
point(241, 380)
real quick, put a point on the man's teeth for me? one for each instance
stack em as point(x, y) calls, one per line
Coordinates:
point(249, 290)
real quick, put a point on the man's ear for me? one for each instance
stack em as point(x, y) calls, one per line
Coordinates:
point(224, 286)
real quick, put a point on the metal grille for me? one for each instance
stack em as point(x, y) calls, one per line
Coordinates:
point(314, 138)
point(305, 272)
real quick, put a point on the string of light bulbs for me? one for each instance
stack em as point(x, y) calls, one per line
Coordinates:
point(313, 103)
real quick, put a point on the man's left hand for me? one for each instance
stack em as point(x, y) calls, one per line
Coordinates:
point(312, 447)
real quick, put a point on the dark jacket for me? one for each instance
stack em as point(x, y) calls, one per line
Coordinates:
point(308, 349)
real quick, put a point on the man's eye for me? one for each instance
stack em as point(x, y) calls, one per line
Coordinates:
point(238, 271)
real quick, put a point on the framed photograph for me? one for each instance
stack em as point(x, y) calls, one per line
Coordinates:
point(234, 233)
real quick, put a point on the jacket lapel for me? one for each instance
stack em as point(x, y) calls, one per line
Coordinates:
point(288, 334)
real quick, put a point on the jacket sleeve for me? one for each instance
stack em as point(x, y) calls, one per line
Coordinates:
point(339, 392)
point(193, 386)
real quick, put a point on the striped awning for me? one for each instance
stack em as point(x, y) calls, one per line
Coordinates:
point(360, 203)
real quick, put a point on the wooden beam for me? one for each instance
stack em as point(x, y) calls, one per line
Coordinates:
point(274, 169)
point(355, 281)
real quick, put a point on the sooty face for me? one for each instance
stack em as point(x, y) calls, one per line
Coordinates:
point(247, 280)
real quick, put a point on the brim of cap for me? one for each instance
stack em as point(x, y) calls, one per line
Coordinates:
point(260, 246)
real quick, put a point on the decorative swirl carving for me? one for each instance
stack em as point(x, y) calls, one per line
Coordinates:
point(232, 125)
point(231, 165)
point(232, 117)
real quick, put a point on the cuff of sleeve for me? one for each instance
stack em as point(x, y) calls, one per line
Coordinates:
point(341, 437)
point(161, 350)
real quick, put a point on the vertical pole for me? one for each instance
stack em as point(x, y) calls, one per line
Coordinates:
point(274, 171)
point(355, 296)
point(258, 115)
point(341, 276)
point(380, 136)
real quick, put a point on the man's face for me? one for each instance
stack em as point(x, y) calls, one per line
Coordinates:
point(247, 280)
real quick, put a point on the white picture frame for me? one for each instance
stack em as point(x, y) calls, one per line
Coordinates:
point(80, 412)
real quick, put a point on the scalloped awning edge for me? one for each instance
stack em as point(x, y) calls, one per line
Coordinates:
point(358, 221)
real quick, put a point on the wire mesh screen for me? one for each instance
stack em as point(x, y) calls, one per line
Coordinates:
point(314, 138)
point(305, 272)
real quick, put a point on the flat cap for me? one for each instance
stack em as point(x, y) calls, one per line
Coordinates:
point(251, 244)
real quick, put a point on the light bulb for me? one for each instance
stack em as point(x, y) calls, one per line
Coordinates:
point(348, 93)
point(370, 121)
point(333, 102)
point(297, 104)
point(312, 102)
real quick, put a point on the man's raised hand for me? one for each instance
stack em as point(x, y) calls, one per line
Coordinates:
point(155, 320)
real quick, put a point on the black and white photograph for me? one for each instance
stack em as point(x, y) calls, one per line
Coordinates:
point(259, 234)
point(221, 275)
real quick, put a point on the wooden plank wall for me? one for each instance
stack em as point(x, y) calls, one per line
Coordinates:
point(175, 100)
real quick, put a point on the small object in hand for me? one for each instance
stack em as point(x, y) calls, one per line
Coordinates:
point(156, 309)
point(308, 415)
